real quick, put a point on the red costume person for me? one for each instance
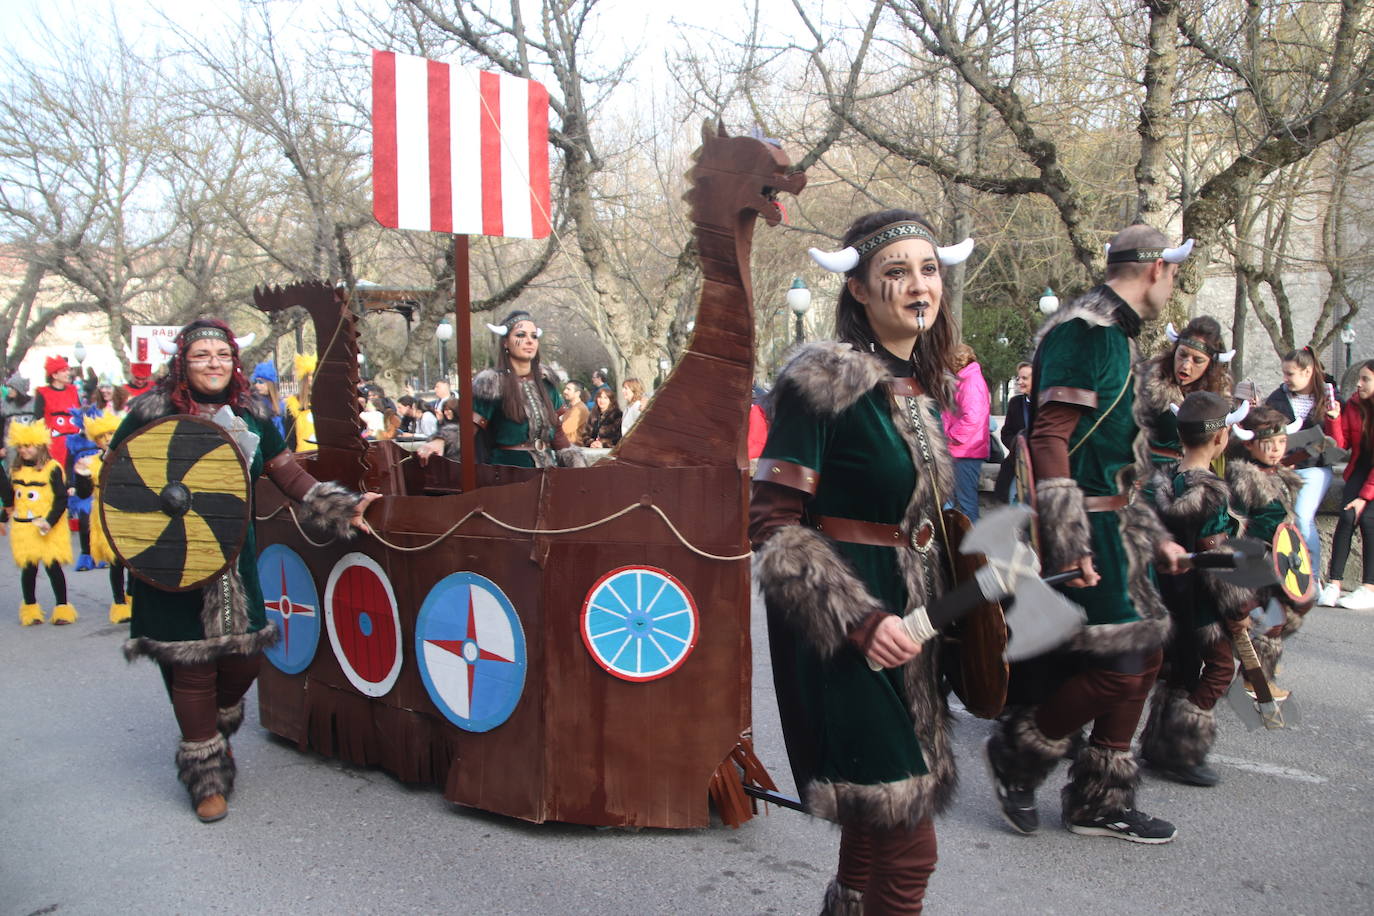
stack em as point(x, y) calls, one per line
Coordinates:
point(54, 403)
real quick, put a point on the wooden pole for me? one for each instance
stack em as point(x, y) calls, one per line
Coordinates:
point(462, 309)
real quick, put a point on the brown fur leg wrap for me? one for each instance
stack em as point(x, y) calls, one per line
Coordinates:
point(1101, 781)
point(1270, 652)
point(201, 767)
point(230, 719)
point(841, 900)
point(1177, 733)
point(1020, 752)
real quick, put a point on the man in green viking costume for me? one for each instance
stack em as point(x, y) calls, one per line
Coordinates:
point(1081, 439)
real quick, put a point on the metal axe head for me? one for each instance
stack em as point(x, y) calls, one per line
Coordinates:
point(1040, 618)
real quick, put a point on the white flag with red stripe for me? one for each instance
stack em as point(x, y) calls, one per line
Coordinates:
point(458, 150)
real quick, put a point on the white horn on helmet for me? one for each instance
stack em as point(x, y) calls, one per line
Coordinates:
point(1176, 255)
point(1240, 413)
point(955, 254)
point(1227, 356)
point(1293, 427)
point(1243, 434)
point(500, 330)
point(1174, 408)
point(1170, 333)
point(169, 347)
point(837, 262)
point(245, 341)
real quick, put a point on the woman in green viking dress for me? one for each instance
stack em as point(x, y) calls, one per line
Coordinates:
point(209, 641)
point(845, 519)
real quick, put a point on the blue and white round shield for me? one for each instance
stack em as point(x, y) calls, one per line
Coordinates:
point(639, 623)
point(471, 649)
point(293, 604)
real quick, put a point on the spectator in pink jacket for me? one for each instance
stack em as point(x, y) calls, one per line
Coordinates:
point(967, 429)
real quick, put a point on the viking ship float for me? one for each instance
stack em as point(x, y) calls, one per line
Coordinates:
point(569, 644)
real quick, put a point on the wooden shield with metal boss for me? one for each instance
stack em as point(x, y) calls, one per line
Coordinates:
point(174, 502)
point(1293, 564)
point(978, 642)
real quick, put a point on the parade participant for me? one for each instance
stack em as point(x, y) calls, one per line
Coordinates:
point(1307, 394)
point(86, 477)
point(38, 521)
point(80, 446)
point(1263, 492)
point(1082, 430)
point(967, 430)
point(269, 398)
point(140, 382)
point(300, 426)
point(1353, 429)
point(855, 449)
point(1195, 361)
point(1194, 504)
point(17, 403)
point(104, 397)
point(54, 403)
point(209, 641)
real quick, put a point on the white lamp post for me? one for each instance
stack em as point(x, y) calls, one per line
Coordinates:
point(1347, 338)
point(443, 333)
point(1048, 302)
point(799, 301)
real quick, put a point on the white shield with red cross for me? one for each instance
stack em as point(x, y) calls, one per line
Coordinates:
point(364, 626)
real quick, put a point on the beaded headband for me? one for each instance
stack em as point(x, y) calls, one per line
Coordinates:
point(208, 333)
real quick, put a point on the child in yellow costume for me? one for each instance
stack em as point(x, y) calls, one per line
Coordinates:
point(38, 522)
point(300, 422)
point(87, 482)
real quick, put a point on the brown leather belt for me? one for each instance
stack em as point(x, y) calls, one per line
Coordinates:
point(1211, 541)
point(1105, 503)
point(872, 534)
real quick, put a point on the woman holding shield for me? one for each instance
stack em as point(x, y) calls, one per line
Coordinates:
point(208, 641)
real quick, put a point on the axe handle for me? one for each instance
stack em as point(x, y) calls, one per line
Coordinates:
point(1250, 664)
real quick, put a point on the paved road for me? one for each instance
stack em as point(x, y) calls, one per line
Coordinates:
point(93, 820)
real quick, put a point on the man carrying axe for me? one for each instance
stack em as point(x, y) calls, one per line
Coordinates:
point(1081, 436)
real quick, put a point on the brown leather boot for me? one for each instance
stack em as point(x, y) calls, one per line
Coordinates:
point(211, 809)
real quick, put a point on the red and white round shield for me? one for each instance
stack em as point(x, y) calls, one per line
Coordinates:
point(364, 625)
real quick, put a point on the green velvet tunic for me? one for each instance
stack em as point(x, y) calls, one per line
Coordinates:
point(860, 718)
point(503, 432)
point(175, 616)
point(1077, 354)
point(1188, 600)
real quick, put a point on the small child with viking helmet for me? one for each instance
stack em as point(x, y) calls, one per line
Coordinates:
point(38, 521)
point(1263, 493)
point(86, 480)
point(1194, 504)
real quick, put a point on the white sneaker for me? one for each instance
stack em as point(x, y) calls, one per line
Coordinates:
point(1361, 599)
point(1330, 594)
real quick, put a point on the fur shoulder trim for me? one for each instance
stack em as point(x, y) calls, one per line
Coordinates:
point(1254, 486)
point(1204, 495)
point(486, 385)
point(830, 376)
point(1153, 393)
point(1095, 308)
point(150, 405)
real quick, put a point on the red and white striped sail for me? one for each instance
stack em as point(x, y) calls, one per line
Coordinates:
point(458, 150)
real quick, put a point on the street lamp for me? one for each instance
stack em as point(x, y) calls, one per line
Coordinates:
point(79, 352)
point(799, 301)
point(664, 364)
point(1347, 338)
point(1048, 302)
point(362, 365)
point(443, 333)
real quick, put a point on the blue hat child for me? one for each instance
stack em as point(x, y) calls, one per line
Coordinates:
point(265, 371)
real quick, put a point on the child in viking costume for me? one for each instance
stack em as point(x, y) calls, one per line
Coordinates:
point(517, 406)
point(86, 477)
point(300, 419)
point(1081, 446)
point(1194, 504)
point(38, 521)
point(209, 641)
point(1264, 491)
point(846, 524)
point(1196, 360)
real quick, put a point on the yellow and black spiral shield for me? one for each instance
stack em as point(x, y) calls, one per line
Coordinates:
point(174, 502)
point(1293, 564)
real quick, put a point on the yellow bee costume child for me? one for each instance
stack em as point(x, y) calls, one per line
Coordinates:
point(300, 419)
point(87, 482)
point(38, 522)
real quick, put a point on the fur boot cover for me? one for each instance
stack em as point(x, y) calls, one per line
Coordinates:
point(230, 719)
point(803, 578)
point(326, 511)
point(1270, 652)
point(1101, 781)
point(63, 614)
point(202, 767)
point(1177, 733)
point(841, 900)
point(120, 613)
point(1020, 753)
point(30, 614)
point(223, 619)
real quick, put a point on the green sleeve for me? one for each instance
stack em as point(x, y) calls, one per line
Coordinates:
point(796, 435)
point(486, 409)
point(1070, 357)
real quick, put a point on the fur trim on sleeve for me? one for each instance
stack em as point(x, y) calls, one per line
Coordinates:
point(812, 586)
point(486, 385)
point(830, 376)
point(1063, 524)
point(326, 509)
point(1254, 486)
point(1205, 495)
